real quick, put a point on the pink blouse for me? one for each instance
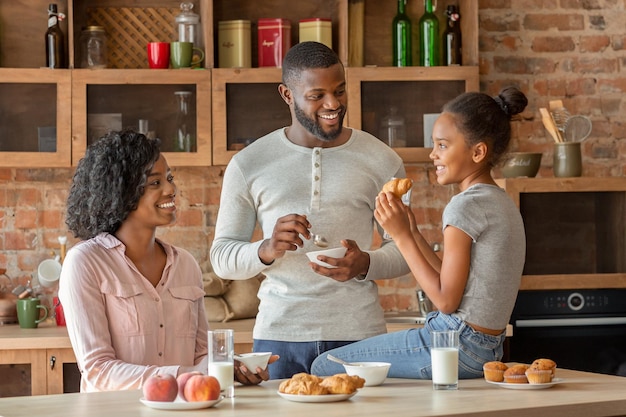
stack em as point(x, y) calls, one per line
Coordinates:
point(122, 328)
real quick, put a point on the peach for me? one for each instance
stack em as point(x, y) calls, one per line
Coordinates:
point(182, 380)
point(202, 388)
point(163, 388)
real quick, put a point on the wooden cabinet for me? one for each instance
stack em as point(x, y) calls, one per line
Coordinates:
point(123, 97)
point(47, 355)
point(575, 231)
point(239, 106)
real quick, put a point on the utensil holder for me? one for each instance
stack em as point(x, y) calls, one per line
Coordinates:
point(567, 159)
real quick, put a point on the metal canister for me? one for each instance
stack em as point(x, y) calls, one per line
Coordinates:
point(424, 303)
point(93, 47)
point(234, 44)
point(318, 30)
point(274, 41)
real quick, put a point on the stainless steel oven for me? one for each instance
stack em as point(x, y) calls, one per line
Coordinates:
point(579, 329)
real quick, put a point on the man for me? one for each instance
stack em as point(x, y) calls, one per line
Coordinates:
point(313, 176)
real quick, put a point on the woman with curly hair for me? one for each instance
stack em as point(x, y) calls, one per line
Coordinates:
point(133, 304)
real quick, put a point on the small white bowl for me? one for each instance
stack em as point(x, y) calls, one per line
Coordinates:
point(374, 373)
point(331, 253)
point(254, 360)
point(49, 272)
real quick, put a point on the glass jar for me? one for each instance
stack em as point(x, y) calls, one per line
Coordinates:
point(188, 24)
point(93, 47)
point(185, 134)
point(392, 129)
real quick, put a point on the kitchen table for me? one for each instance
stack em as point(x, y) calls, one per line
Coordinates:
point(580, 394)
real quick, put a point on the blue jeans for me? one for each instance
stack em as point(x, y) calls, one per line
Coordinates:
point(295, 357)
point(408, 351)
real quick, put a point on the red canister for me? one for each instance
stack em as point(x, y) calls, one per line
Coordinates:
point(59, 315)
point(274, 41)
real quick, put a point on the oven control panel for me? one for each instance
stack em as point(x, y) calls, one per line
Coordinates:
point(570, 302)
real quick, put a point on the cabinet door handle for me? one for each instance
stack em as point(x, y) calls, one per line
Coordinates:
point(53, 360)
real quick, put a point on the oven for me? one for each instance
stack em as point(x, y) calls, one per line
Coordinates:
point(579, 329)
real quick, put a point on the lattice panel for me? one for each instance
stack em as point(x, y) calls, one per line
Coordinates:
point(129, 29)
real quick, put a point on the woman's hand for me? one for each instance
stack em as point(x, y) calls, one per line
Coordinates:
point(246, 377)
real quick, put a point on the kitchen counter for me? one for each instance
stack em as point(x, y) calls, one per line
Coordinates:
point(580, 394)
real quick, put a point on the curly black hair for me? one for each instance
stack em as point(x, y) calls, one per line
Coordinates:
point(482, 118)
point(306, 55)
point(109, 181)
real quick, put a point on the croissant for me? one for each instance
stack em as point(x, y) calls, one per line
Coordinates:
point(342, 383)
point(303, 384)
point(398, 186)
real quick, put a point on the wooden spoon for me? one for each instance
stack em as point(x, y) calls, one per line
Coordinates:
point(548, 123)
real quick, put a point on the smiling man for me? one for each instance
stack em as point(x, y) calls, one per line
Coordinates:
point(314, 176)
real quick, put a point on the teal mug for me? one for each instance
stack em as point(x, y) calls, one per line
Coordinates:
point(28, 314)
point(184, 55)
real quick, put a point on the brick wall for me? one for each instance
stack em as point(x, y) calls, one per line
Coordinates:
point(572, 50)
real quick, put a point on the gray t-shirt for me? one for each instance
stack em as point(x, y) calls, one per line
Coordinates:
point(491, 219)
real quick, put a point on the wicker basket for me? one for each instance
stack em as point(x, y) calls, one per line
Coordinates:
point(129, 29)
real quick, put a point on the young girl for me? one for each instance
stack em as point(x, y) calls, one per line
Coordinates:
point(475, 285)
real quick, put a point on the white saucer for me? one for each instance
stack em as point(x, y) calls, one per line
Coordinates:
point(180, 405)
point(528, 386)
point(329, 398)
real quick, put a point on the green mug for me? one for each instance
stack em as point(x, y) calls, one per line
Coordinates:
point(182, 55)
point(28, 314)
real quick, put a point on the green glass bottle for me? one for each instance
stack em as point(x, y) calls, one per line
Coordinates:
point(429, 37)
point(402, 37)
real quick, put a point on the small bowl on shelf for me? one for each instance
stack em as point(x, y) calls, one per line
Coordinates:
point(521, 164)
point(374, 373)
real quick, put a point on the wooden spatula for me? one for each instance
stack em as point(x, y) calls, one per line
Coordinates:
point(548, 123)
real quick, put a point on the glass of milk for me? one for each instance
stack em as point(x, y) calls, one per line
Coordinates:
point(444, 357)
point(221, 359)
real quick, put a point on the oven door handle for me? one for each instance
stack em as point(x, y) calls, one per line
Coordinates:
point(589, 321)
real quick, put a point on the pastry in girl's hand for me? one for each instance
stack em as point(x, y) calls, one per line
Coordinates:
point(398, 186)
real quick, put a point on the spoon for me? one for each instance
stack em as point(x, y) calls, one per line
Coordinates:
point(341, 361)
point(319, 240)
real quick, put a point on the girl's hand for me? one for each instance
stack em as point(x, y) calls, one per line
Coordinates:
point(392, 215)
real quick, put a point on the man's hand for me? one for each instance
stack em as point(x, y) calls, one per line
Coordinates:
point(354, 262)
point(285, 237)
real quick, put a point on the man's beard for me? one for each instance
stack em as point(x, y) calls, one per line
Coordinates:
point(314, 127)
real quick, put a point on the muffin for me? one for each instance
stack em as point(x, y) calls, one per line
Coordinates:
point(545, 364)
point(538, 376)
point(516, 374)
point(494, 371)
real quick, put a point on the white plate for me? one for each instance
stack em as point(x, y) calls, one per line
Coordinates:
point(329, 398)
point(528, 386)
point(180, 405)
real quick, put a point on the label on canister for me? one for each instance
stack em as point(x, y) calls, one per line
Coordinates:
point(274, 41)
point(317, 30)
point(234, 49)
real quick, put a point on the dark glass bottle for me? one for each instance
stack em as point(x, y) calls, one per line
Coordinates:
point(452, 44)
point(429, 36)
point(402, 37)
point(55, 40)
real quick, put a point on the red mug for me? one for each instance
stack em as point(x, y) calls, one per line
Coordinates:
point(158, 55)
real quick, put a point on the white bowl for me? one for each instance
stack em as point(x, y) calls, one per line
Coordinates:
point(374, 373)
point(254, 360)
point(331, 253)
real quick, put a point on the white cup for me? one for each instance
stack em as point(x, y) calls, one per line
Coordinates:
point(49, 272)
point(221, 359)
point(444, 357)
